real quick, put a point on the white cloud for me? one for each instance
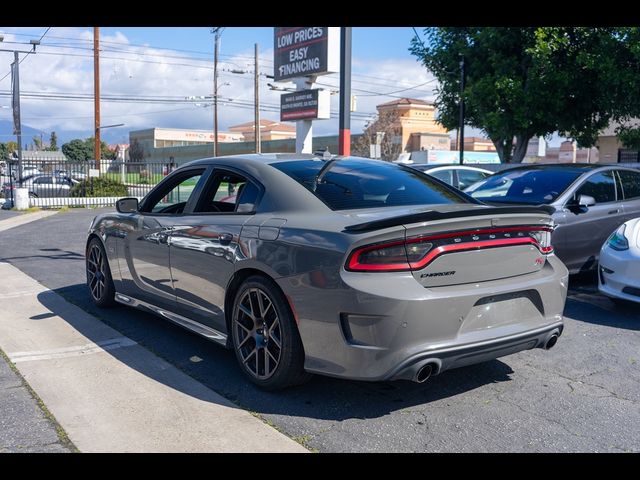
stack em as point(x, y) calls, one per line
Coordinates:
point(66, 66)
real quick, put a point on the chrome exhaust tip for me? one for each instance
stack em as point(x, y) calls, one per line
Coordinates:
point(553, 339)
point(423, 374)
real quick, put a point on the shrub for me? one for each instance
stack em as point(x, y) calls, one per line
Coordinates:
point(98, 187)
point(145, 177)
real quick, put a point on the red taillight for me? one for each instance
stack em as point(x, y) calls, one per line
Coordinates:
point(389, 257)
point(417, 252)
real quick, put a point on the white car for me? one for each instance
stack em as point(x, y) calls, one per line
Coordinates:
point(619, 266)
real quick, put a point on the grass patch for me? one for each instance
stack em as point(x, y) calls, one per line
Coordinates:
point(62, 435)
point(28, 210)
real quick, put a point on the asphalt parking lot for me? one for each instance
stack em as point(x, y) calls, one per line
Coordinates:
point(581, 396)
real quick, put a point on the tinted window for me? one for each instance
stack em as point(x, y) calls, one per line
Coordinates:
point(530, 186)
point(39, 180)
point(630, 183)
point(228, 192)
point(466, 178)
point(601, 186)
point(172, 197)
point(354, 183)
point(445, 175)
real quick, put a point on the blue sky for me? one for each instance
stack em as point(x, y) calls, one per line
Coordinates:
point(148, 73)
point(369, 43)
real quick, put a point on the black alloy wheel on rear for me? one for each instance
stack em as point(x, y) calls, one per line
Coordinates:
point(99, 278)
point(265, 337)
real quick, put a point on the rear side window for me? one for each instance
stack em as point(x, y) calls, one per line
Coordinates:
point(359, 183)
point(466, 178)
point(600, 186)
point(630, 183)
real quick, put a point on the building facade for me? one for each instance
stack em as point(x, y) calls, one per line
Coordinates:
point(269, 130)
point(416, 117)
point(153, 138)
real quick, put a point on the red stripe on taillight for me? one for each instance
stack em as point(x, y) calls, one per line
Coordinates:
point(462, 247)
point(354, 264)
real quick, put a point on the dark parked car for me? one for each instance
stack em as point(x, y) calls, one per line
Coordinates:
point(459, 176)
point(347, 267)
point(590, 201)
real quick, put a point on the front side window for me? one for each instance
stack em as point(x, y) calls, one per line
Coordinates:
point(173, 197)
point(228, 193)
point(345, 184)
point(601, 186)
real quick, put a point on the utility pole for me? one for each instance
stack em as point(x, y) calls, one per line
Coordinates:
point(17, 123)
point(344, 133)
point(96, 94)
point(461, 121)
point(257, 106)
point(215, 91)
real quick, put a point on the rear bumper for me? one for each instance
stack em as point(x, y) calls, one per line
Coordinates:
point(463, 355)
point(376, 326)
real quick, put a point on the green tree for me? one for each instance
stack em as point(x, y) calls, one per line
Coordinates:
point(4, 151)
point(526, 82)
point(105, 151)
point(76, 150)
point(37, 142)
point(136, 151)
point(53, 142)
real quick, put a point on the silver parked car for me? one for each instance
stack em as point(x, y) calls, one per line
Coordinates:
point(43, 185)
point(589, 201)
point(347, 267)
point(459, 176)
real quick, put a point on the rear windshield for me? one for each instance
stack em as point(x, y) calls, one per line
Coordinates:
point(528, 186)
point(358, 183)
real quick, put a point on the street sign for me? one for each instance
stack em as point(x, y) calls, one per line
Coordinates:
point(305, 51)
point(305, 105)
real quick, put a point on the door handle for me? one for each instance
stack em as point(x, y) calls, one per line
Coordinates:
point(612, 212)
point(225, 238)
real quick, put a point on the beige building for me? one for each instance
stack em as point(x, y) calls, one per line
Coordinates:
point(269, 130)
point(611, 148)
point(475, 144)
point(416, 117)
point(153, 138)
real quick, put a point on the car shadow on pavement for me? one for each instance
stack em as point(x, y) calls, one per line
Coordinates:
point(586, 304)
point(322, 398)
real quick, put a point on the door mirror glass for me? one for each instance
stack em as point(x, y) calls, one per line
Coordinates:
point(127, 205)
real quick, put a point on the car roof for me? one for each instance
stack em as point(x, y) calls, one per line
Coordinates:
point(431, 166)
point(571, 167)
point(259, 158)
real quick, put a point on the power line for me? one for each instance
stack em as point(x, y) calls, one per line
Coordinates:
point(28, 53)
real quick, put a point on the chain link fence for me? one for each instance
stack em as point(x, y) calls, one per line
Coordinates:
point(63, 183)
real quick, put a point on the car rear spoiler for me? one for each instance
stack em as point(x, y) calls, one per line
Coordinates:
point(432, 215)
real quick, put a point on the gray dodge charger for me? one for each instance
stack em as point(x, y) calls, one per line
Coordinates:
point(347, 267)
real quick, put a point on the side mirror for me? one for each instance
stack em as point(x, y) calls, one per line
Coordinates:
point(127, 205)
point(586, 201)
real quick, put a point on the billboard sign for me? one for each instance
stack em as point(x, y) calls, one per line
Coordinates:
point(305, 105)
point(305, 51)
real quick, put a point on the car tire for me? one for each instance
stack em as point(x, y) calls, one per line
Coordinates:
point(265, 336)
point(32, 195)
point(99, 280)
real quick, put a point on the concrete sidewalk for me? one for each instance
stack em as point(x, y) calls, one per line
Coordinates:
point(109, 393)
point(17, 220)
